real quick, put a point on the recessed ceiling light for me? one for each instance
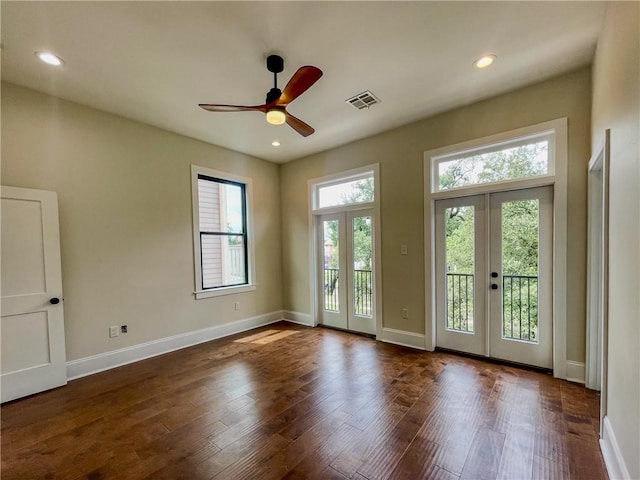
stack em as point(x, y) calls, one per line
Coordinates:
point(49, 58)
point(485, 61)
point(275, 143)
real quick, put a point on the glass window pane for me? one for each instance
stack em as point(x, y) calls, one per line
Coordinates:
point(232, 208)
point(523, 161)
point(362, 261)
point(209, 205)
point(460, 267)
point(223, 260)
point(520, 234)
point(355, 191)
point(220, 206)
point(330, 242)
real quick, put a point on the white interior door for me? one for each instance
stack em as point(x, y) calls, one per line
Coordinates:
point(346, 283)
point(494, 275)
point(32, 321)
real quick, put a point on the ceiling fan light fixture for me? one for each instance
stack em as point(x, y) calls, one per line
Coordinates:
point(49, 58)
point(276, 116)
point(485, 61)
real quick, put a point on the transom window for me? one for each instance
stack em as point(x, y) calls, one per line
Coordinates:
point(221, 232)
point(516, 159)
point(345, 191)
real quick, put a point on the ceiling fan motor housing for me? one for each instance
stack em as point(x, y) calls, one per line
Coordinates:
point(273, 95)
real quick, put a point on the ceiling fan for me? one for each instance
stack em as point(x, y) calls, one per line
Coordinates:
point(275, 106)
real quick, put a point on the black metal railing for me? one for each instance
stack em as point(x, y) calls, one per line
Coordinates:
point(362, 291)
point(331, 289)
point(362, 288)
point(460, 301)
point(520, 307)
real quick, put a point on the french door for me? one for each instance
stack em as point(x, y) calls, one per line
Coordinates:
point(494, 275)
point(345, 268)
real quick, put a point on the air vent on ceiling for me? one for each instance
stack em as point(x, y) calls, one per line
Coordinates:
point(363, 100)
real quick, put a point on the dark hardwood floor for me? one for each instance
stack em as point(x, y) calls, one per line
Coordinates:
point(291, 402)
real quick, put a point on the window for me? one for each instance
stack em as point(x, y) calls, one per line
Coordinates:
point(221, 232)
point(345, 191)
point(515, 159)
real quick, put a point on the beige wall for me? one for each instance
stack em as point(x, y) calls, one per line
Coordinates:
point(400, 155)
point(124, 195)
point(124, 192)
point(616, 105)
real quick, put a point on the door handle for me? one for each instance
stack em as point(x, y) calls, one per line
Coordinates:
point(494, 274)
point(494, 286)
point(54, 301)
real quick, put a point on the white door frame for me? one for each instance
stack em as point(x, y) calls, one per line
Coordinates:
point(560, 187)
point(598, 273)
point(313, 212)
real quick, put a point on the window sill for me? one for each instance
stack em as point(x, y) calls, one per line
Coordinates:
point(218, 292)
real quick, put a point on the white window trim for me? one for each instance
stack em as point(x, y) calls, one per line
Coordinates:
point(217, 292)
point(559, 180)
point(336, 178)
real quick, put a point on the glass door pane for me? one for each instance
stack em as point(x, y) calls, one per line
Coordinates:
point(520, 239)
point(362, 260)
point(331, 264)
point(460, 266)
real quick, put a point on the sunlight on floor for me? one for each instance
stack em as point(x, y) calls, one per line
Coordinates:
point(267, 336)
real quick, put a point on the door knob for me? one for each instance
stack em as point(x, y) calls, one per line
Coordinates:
point(54, 301)
point(494, 274)
point(494, 286)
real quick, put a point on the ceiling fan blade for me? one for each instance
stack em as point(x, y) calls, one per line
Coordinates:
point(232, 108)
point(299, 83)
point(298, 125)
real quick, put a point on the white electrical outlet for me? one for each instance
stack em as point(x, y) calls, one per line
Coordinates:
point(405, 313)
point(403, 250)
point(236, 306)
point(114, 331)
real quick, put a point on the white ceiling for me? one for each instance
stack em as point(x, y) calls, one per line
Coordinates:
point(155, 61)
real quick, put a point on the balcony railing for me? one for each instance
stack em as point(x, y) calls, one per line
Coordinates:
point(362, 288)
point(519, 305)
point(362, 291)
point(460, 302)
point(331, 301)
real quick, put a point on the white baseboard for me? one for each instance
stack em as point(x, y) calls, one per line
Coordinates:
point(297, 317)
point(611, 453)
point(575, 371)
point(403, 338)
point(116, 358)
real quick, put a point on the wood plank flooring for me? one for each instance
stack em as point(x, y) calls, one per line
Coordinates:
point(290, 402)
